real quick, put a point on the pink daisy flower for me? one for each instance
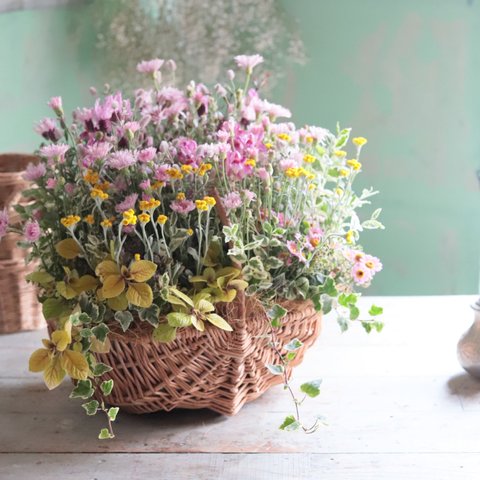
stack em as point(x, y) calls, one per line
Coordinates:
point(295, 251)
point(34, 171)
point(361, 275)
point(150, 66)
point(55, 152)
point(55, 104)
point(248, 62)
point(372, 263)
point(146, 155)
point(182, 206)
point(47, 128)
point(51, 183)
point(232, 201)
point(127, 204)
point(32, 231)
point(121, 159)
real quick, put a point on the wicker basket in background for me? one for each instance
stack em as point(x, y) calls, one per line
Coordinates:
point(19, 307)
point(216, 369)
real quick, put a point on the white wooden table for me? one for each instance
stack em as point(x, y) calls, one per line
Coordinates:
point(398, 405)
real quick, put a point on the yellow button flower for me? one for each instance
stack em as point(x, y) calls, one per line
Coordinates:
point(284, 136)
point(70, 221)
point(251, 162)
point(91, 177)
point(356, 165)
point(308, 158)
point(349, 237)
point(187, 168)
point(137, 257)
point(162, 219)
point(89, 219)
point(359, 141)
point(189, 232)
point(180, 196)
point(201, 205)
point(343, 172)
point(106, 223)
point(144, 217)
point(209, 201)
point(340, 153)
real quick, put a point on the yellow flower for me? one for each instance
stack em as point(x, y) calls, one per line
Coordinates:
point(175, 173)
point(293, 172)
point(89, 219)
point(339, 191)
point(312, 186)
point(284, 136)
point(129, 218)
point(356, 165)
point(343, 172)
point(204, 168)
point(189, 232)
point(308, 158)
point(162, 219)
point(104, 186)
point(106, 223)
point(209, 201)
point(98, 193)
point(349, 237)
point(251, 162)
point(340, 153)
point(157, 185)
point(201, 205)
point(70, 221)
point(151, 204)
point(309, 139)
point(268, 145)
point(180, 196)
point(309, 176)
point(187, 168)
point(144, 217)
point(137, 257)
point(91, 177)
point(359, 141)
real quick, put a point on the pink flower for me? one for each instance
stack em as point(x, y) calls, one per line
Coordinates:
point(51, 183)
point(34, 171)
point(127, 204)
point(274, 110)
point(249, 196)
point(263, 174)
point(314, 237)
point(121, 159)
point(355, 256)
point(182, 206)
point(55, 104)
point(145, 184)
point(248, 62)
point(55, 152)
point(146, 155)
point(361, 275)
point(186, 151)
point(232, 201)
point(32, 231)
point(94, 152)
point(372, 263)
point(47, 128)
point(150, 66)
point(160, 173)
point(288, 163)
point(295, 251)
point(70, 188)
point(4, 219)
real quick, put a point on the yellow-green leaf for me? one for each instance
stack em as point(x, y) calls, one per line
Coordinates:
point(238, 284)
point(75, 364)
point(219, 322)
point(106, 268)
point(142, 270)
point(113, 286)
point(100, 347)
point(53, 374)
point(68, 248)
point(164, 333)
point(39, 360)
point(140, 294)
point(84, 283)
point(119, 303)
point(227, 296)
point(198, 323)
point(204, 306)
point(40, 277)
point(181, 295)
point(61, 339)
point(66, 291)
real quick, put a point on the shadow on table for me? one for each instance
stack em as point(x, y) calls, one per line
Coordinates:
point(464, 385)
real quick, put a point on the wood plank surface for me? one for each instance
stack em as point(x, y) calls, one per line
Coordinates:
point(398, 405)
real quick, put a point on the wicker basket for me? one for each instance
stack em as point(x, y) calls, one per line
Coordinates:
point(217, 370)
point(19, 308)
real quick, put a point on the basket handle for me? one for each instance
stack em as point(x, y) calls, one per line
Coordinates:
point(225, 221)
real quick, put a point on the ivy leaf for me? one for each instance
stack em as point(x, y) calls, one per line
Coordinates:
point(150, 315)
point(276, 369)
point(100, 368)
point(91, 407)
point(83, 389)
point(275, 314)
point(354, 312)
point(105, 434)
point(293, 345)
point(329, 287)
point(374, 310)
point(164, 333)
point(107, 387)
point(124, 319)
point(343, 323)
point(86, 332)
point(112, 413)
point(290, 356)
point(100, 332)
point(312, 389)
point(290, 424)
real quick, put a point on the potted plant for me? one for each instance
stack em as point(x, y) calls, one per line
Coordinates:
point(188, 243)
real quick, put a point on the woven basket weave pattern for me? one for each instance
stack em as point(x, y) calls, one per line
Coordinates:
point(217, 370)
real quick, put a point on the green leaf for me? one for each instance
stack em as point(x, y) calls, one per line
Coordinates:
point(219, 322)
point(105, 434)
point(312, 389)
point(112, 413)
point(79, 318)
point(290, 424)
point(179, 319)
point(150, 315)
point(374, 310)
point(100, 368)
point(53, 307)
point(276, 369)
point(367, 326)
point(347, 300)
point(276, 313)
point(124, 319)
point(290, 356)
point(42, 278)
point(107, 387)
point(326, 304)
point(343, 323)
point(83, 389)
point(378, 326)
point(86, 332)
point(293, 345)
point(164, 333)
point(354, 312)
point(91, 407)
point(185, 298)
point(100, 332)
point(329, 287)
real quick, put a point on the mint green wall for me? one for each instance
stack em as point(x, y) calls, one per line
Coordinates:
point(405, 74)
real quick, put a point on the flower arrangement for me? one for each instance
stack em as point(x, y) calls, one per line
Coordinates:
point(154, 212)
